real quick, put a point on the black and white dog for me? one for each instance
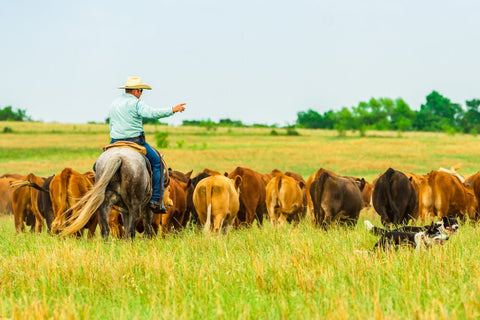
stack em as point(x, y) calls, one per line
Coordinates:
point(447, 225)
point(393, 239)
point(436, 233)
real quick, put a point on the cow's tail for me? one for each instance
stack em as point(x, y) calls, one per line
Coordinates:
point(84, 209)
point(26, 183)
point(321, 182)
point(208, 202)
point(388, 175)
point(277, 191)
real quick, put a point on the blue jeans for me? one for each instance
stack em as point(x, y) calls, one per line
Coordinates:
point(157, 169)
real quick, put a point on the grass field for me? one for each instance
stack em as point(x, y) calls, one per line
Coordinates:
point(254, 273)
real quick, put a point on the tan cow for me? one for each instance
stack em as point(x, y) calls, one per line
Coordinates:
point(284, 199)
point(443, 194)
point(216, 200)
point(66, 188)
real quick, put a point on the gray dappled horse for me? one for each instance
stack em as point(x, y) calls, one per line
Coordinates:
point(121, 179)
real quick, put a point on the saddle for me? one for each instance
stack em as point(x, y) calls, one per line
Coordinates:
point(128, 145)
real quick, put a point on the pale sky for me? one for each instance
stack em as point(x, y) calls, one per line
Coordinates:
point(254, 61)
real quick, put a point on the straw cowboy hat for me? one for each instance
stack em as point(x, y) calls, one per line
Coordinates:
point(135, 83)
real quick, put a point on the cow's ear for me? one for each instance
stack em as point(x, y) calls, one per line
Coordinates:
point(189, 174)
point(238, 181)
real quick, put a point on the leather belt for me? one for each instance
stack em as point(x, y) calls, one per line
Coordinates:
point(137, 137)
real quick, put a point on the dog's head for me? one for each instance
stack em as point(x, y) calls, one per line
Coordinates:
point(448, 224)
point(433, 235)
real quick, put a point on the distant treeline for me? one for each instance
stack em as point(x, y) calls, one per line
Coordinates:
point(438, 114)
point(8, 114)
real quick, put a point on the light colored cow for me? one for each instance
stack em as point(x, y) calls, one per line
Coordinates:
point(284, 199)
point(216, 199)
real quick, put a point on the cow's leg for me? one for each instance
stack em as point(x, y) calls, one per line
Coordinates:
point(282, 218)
point(271, 208)
point(18, 214)
point(327, 220)
point(166, 223)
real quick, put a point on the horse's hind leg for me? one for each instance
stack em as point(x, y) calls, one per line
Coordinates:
point(147, 218)
point(104, 213)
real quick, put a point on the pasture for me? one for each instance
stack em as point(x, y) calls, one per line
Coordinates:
point(252, 273)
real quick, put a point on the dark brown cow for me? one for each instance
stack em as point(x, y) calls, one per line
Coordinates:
point(24, 204)
point(252, 195)
point(192, 212)
point(448, 196)
point(335, 200)
point(309, 182)
point(66, 189)
point(394, 198)
point(44, 203)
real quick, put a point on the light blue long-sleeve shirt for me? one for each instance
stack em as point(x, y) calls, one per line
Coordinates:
point(126, 113)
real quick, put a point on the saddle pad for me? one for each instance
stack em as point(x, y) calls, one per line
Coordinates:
point(126, 144)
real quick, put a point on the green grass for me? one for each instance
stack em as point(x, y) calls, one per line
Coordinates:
point(254, 273)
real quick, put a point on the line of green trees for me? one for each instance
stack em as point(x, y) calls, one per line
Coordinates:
point(8, 114)
point(437, 114)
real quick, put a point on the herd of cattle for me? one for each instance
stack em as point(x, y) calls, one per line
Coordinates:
point(244, 196)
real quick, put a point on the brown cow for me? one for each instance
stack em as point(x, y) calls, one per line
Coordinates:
point(309, 182)
point(6, 194)
point(367, 195)
point(15, 176)
point(473, 182)
point(284, 199)
point(335, 200)
point(216, 198)
point(24, 204)
point(176, 212)
point(252, 195)
point(66, 188)
point(446, 195)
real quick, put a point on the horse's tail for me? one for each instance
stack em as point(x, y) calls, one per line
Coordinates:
point(84, 209)
point(208, 201)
